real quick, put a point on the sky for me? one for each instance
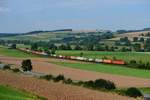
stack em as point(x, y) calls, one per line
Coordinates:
point(30, 15)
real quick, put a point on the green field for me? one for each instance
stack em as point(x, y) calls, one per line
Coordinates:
point(111, 69)
point(127, 56)
point(44, 36)
point(145, 90)
point(9, 93)
point(23, 46)
point(104, 68)
point(14, 53)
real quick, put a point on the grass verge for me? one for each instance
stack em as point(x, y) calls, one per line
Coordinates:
point(14, 53)
point(104, 68)
point(10, 93)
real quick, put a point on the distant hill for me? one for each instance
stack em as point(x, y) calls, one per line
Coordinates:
point(146, 29)
point(130, 35)
point(37, 35)
point(8, 34)
point(55, 35)
point(69, 34)
point(37, 32)
point(129, 31)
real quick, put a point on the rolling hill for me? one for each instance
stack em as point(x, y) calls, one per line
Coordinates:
point(55, 35)
point(130, 35)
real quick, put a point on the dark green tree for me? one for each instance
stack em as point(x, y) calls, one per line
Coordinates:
point(135, 39)
point(13, 46)
point(81, 54)
point(78, 47)
point(34, 46)
point(26, 65)
point(68, 46)
point(137, 47)
point(147, 45)
point(141, 39)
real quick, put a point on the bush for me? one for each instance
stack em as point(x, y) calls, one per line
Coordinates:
point(133, 63)
point(16, 70)
point(89, 84)
point(26, 65)
point(80, 83)
point(67, 81)
point(105, 84)
point(59, 78)
point(6, 67)
point(133, 92)
point(100, 84)
point(47, 77)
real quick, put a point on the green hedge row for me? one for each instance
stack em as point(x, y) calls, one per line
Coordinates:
point(97, 84)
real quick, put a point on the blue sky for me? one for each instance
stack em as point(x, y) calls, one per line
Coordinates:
point(29, 15)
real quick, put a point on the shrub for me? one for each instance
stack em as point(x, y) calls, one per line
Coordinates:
point(47, 77)
point(133, 63)
point(89, 84)
point(26, 65)
point(67, 81)
point(100, 84)
point(59, 78)
point(133, 92)
point(16, 70)
point(6, 67)
point(13, 46)
point(105, 84)
point(80, 83)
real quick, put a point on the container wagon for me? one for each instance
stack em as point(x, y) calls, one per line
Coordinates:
point(107, 61)
point(91, 60)
point(98, 60)
point(73, 57)
point(118, 62)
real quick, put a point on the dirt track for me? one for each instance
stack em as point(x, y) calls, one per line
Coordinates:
point(41, 65)
point(55, 91)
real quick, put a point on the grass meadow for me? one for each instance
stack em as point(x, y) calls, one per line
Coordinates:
point(9, 93)
point(14, 53)
point(105, 68)
point(127, 56)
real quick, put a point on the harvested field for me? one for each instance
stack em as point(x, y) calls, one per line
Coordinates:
point(41, 65)
point(55, 91)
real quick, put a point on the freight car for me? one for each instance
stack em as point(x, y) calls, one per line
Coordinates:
point(91, 60)
point(73, 58)
point(118, 62)
point(107, 61)
point(98, 60)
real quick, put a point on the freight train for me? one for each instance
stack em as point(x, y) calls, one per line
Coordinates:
point(104, 61)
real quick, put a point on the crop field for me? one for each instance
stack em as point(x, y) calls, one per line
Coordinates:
point(130, 35)
point(46, 36)
point(14, 53)
point(104, 68)
point(127, 56)
point(23, 46)
point(9, 93)
point(55, 91)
